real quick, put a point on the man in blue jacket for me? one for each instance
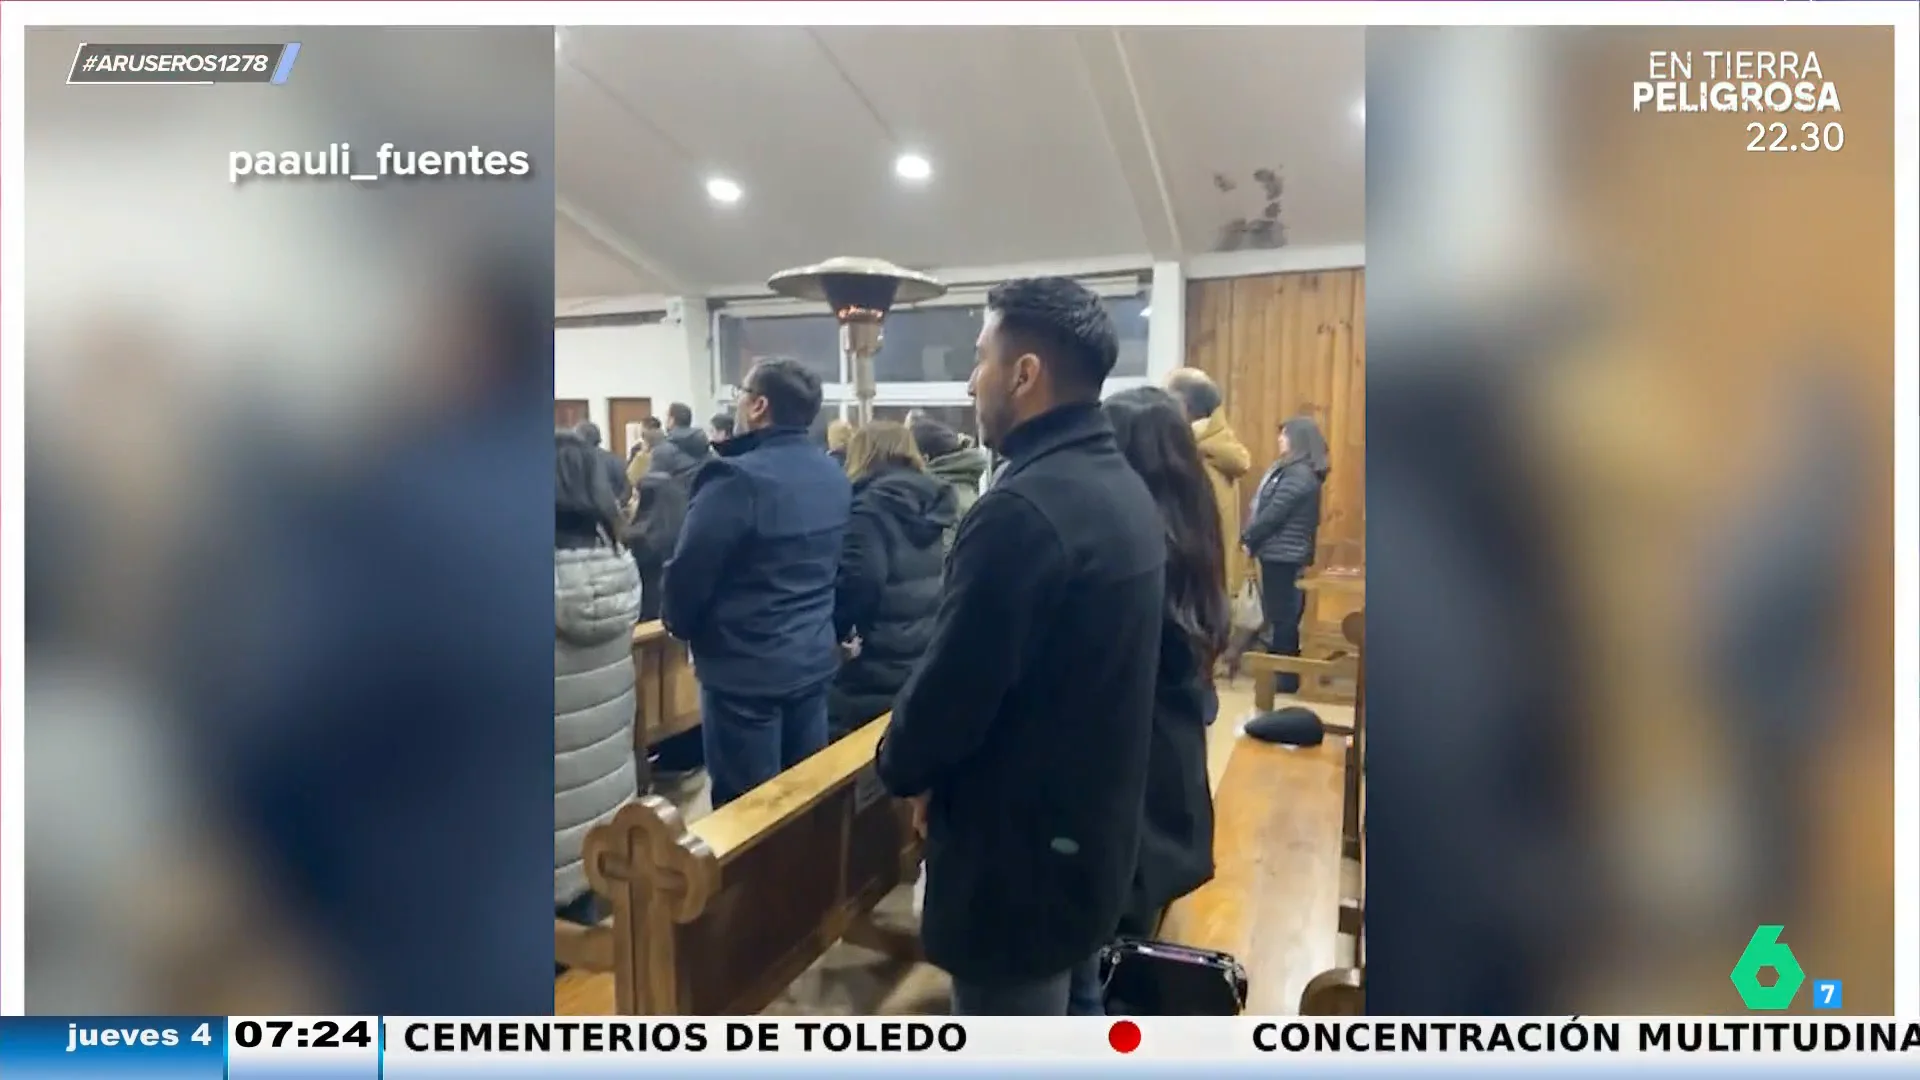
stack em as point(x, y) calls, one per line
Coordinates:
point(750, 585)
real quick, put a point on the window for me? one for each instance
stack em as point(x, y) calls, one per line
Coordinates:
point(919, 345)
point(814, 340)
point(937, 344)
point(958, 417)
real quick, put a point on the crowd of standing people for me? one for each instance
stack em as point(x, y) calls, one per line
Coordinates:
point(1044, 633)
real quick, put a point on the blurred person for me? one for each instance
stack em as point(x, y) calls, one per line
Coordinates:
point(838, 432)
point(720, 428)
point(640, 454)
point(952, 458)
point(317, 674)
point(1023, 735)
point(750, 585)
point(659, 513)
point(1226, 456)
point(676, 457)
point(610, 463)
point(686, 447)
point(1281, 532)
point(596, 600)
point(888, 586)
point(1176, 835)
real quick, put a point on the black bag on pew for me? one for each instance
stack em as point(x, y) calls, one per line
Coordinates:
point(1157, 978)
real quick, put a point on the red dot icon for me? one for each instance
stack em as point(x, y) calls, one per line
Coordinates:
point(1124, 1036)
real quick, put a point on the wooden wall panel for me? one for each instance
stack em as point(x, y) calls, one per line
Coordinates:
point(1285, 344)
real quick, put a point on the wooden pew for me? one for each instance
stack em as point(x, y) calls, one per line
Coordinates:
point(1341, 991)
point(719, 917)
point(1275, 895)
point(668, 695)
point(1283, 820)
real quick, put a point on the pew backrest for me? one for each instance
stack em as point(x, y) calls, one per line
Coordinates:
point(717, 918)
point(667, 694)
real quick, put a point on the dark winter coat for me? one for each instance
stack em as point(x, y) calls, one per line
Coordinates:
point(888, 588)
point(1028, 719)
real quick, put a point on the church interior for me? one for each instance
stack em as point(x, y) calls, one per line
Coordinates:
point(1207, 184)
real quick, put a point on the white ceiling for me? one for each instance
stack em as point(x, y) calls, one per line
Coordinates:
point(1047, 144)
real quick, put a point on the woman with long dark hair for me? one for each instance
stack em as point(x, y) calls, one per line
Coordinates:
point(1282, 530)
point(1176, 841)
point(596, 602)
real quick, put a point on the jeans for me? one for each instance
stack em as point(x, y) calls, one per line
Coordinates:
point(749, 740)
point(1074, 992)
point(1282, 603)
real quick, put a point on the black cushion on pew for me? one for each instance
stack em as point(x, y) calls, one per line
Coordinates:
point(1291, 726)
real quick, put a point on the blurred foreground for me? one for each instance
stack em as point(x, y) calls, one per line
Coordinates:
point(1630, 440)
point(288, 494)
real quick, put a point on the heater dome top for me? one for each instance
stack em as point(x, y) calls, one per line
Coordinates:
point(853, 279)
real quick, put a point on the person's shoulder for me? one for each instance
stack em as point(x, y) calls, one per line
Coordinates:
point(712, 471)
point(1008, 510)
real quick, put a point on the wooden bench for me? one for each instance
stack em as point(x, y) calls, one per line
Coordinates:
point(668, 695)
point(1341, 991)
point(717, 918)
point(1274, 899)
point(1285, 819)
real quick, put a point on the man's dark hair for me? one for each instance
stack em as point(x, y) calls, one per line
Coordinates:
point(679, 415)
point(1197, 393)
point(650, 423)
point(588, 431)
point(792, 392)
point(722, 423)
point(1063, 323)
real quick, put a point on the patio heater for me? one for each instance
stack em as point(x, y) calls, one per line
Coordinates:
point(860, 292)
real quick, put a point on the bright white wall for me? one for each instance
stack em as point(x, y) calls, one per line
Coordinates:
point(601, 362)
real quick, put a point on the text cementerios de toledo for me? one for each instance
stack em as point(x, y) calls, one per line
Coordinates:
point(388, 162)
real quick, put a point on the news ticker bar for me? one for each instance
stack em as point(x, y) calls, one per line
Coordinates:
point(1004, 1048)
point(183, 65)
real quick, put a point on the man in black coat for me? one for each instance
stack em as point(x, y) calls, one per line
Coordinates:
point(1023, 734)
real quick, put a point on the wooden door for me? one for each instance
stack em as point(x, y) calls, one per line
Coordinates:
point(622, 411)
point(569, 412)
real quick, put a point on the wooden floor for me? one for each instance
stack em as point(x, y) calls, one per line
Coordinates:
point(853, 981)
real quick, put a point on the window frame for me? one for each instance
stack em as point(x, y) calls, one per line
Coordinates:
point(839, 394)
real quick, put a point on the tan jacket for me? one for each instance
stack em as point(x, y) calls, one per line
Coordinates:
point(1227, 461)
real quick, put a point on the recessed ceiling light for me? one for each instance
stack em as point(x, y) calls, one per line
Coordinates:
point(1146, 313)
point(722, 190)
point(912, 167)
point(1360, 113)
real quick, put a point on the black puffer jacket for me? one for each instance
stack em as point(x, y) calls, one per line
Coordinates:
point(888, 588)
point(1285, 522)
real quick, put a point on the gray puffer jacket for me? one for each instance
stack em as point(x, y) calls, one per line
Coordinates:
point(596, 601)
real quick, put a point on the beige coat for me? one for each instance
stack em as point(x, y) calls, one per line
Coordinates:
point(1227, 461)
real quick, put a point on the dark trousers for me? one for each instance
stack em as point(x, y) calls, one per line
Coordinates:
point(582, 911)
point(682, 753)
point(749, 740)
point(1074, 992)
point(1282, 603)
